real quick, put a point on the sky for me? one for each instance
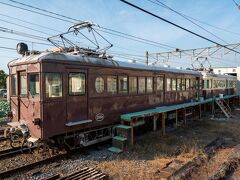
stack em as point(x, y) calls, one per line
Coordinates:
point(116, 15)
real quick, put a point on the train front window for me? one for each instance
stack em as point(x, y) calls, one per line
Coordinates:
point(14, 85)
point(53, 83)
point(179, 84)
point(123, 84)
point(112, 84)
point(23, 84)
point(34, 84)
point(76, 84)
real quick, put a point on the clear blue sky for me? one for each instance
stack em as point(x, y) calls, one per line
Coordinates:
point(116, 15)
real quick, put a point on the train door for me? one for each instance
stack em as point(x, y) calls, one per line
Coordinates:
point(77, 105)
point(198, 88)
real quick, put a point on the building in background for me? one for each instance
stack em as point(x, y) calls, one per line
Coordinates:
point(234, 71)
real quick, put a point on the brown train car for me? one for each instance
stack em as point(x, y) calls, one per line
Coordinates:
point(68, 96)
point(215, 84)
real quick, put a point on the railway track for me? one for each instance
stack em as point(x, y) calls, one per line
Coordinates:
point(10, 172)
point(85, 173)
point(14, 151)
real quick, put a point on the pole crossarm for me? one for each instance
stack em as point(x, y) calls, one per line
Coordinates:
point(196, 52)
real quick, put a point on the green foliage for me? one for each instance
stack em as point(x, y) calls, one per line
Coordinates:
point(4, 108)
point(3, 79)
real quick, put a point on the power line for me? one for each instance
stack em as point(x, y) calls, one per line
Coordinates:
point(36, 12)
point(14, 39)
point(67, 17)
point(25, 27)
point(210, 25)
point(176, 25)
point(159, 3)
point(8, 48)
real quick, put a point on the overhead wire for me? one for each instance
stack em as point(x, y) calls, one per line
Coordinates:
point(77, 20)
point(176, 25)
point(159, 3)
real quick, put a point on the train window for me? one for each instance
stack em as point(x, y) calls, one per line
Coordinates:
point(53, 82)
point(112, 84)
point(169, 88)
point(99, 84)
point(183, 84)
point(23, 84)
point(122, 84)
point(14, 85)
point(133, 84)
point(34, 84)
point(179, 84)
point(159, 84)
point(187, 84)
point(141, 84)
point(149, 84)
point(174, 84)
point(76, 84)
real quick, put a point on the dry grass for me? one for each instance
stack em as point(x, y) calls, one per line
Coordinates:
point(152, 152)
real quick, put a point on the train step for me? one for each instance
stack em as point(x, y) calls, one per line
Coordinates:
point(115, 150)
point(124, 131)
point(119, 142)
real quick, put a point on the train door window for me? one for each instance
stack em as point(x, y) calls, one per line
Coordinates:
point(34, 84)
point(141, 84)
point(174, 84)
point(179, 84)
point(122, 84)
point(133, 84)
point(99, 84)
point(53, 82)
point(187, 84)
point(183, 84)
point(149, 84)
point(23, 84)
point(76, 84)
point(169, 88)
point(159, 84)
point(14, 85)
point(112, 84)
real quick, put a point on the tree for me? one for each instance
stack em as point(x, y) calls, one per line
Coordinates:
point(3, 79)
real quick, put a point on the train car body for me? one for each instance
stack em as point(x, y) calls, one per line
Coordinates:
point(59, 94)
point(215, 84)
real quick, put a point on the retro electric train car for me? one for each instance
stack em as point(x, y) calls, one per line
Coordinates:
point(76, 99)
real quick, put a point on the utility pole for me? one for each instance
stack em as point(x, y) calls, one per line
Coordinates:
point(146, 57)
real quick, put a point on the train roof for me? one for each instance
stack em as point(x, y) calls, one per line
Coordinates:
point(206, 74)
point(96, 61)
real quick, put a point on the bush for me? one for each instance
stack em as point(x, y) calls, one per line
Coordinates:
point(4, 108)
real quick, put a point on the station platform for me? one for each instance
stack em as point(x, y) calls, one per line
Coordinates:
point(190, 110)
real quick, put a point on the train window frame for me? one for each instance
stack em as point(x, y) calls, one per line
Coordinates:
point(45, 85)
point(183, 82)
point(29, 85)
point(187, 83)
point(120, 91)
point(20, 85)
point(99, 91)
point(174, 84)
point(179, 84)
point(15, 85)
point(147, 85)
point(168, 84)
point(78, 93)
point(139, 78)
point(116, 87)
point(160, 87)
point(130, 87)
